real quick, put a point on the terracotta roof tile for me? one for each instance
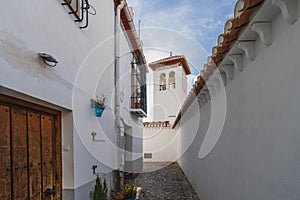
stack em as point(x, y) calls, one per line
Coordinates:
point(156, 124)
point(131, 36)
point(171, 61)
point(243, 11)
point(249, 4)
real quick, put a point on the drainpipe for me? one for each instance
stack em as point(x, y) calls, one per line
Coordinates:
point(118, 120)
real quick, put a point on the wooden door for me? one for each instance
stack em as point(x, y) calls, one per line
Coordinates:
point(30, 150)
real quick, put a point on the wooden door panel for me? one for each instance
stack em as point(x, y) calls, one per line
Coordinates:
point(19, 155)
point(34, 156)
point(30, 150)
point(47, 124)
point(58, 159)
point(5, 168)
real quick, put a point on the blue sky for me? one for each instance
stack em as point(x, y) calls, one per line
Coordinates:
point(197, 21)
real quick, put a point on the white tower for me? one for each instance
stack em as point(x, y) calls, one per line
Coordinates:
point(168, 93)
point(170, 87)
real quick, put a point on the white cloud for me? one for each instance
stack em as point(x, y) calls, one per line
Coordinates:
point(198, 20)
point(159, 42)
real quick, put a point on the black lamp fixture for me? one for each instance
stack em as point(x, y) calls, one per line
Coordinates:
point(48, 59)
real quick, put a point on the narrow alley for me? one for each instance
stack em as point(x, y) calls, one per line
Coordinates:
point(150, 100)
point(165, 183)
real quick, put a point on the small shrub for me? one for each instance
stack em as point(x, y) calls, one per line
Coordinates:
point(100, 190)
point(129, 191)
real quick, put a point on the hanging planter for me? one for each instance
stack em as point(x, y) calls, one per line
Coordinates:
point(98, 106)
point(98, 110)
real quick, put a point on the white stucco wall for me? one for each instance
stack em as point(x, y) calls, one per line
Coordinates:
point(162, 142)
point(257, 154)
point(150, 97)
point(86, 65)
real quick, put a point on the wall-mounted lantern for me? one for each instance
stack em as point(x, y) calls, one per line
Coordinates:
point(48, 59)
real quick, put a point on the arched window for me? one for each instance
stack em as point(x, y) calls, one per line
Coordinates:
point(172, 79)
point(162, 82)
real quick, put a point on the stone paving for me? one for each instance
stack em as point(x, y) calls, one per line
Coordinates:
point(168, 182)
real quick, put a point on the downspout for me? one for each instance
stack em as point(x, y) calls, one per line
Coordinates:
point(118, 120)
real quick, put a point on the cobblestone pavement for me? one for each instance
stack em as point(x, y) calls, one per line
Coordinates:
point(166, 183)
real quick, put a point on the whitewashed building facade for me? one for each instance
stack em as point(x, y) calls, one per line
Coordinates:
point(239, 126)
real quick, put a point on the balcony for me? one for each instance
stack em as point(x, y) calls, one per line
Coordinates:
point(139, 103)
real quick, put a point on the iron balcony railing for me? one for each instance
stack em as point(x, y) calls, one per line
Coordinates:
point(140, 100)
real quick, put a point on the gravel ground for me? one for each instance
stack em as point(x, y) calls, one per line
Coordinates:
point(168, 182)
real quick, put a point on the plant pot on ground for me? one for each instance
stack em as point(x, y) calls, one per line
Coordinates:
point(129, 192)
point(117, 195)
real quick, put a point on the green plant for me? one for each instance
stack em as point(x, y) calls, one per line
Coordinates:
point(100, 190)
point(117, 195)
point(99, 101)
point(129, 191)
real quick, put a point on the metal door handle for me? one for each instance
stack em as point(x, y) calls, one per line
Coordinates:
point(49, 192)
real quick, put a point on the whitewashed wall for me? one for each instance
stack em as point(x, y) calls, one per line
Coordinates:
point(150, 96)
point(162, 142)
point(257, 155)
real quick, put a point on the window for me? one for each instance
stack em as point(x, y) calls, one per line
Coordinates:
point(172, 80)
point(162, 82)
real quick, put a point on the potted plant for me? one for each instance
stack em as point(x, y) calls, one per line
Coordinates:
point(98, 105)
point(129, 191)
point(117, 195)
point(100, 190)
point(137, 105)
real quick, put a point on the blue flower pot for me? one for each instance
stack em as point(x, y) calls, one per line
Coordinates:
point(98, 110)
